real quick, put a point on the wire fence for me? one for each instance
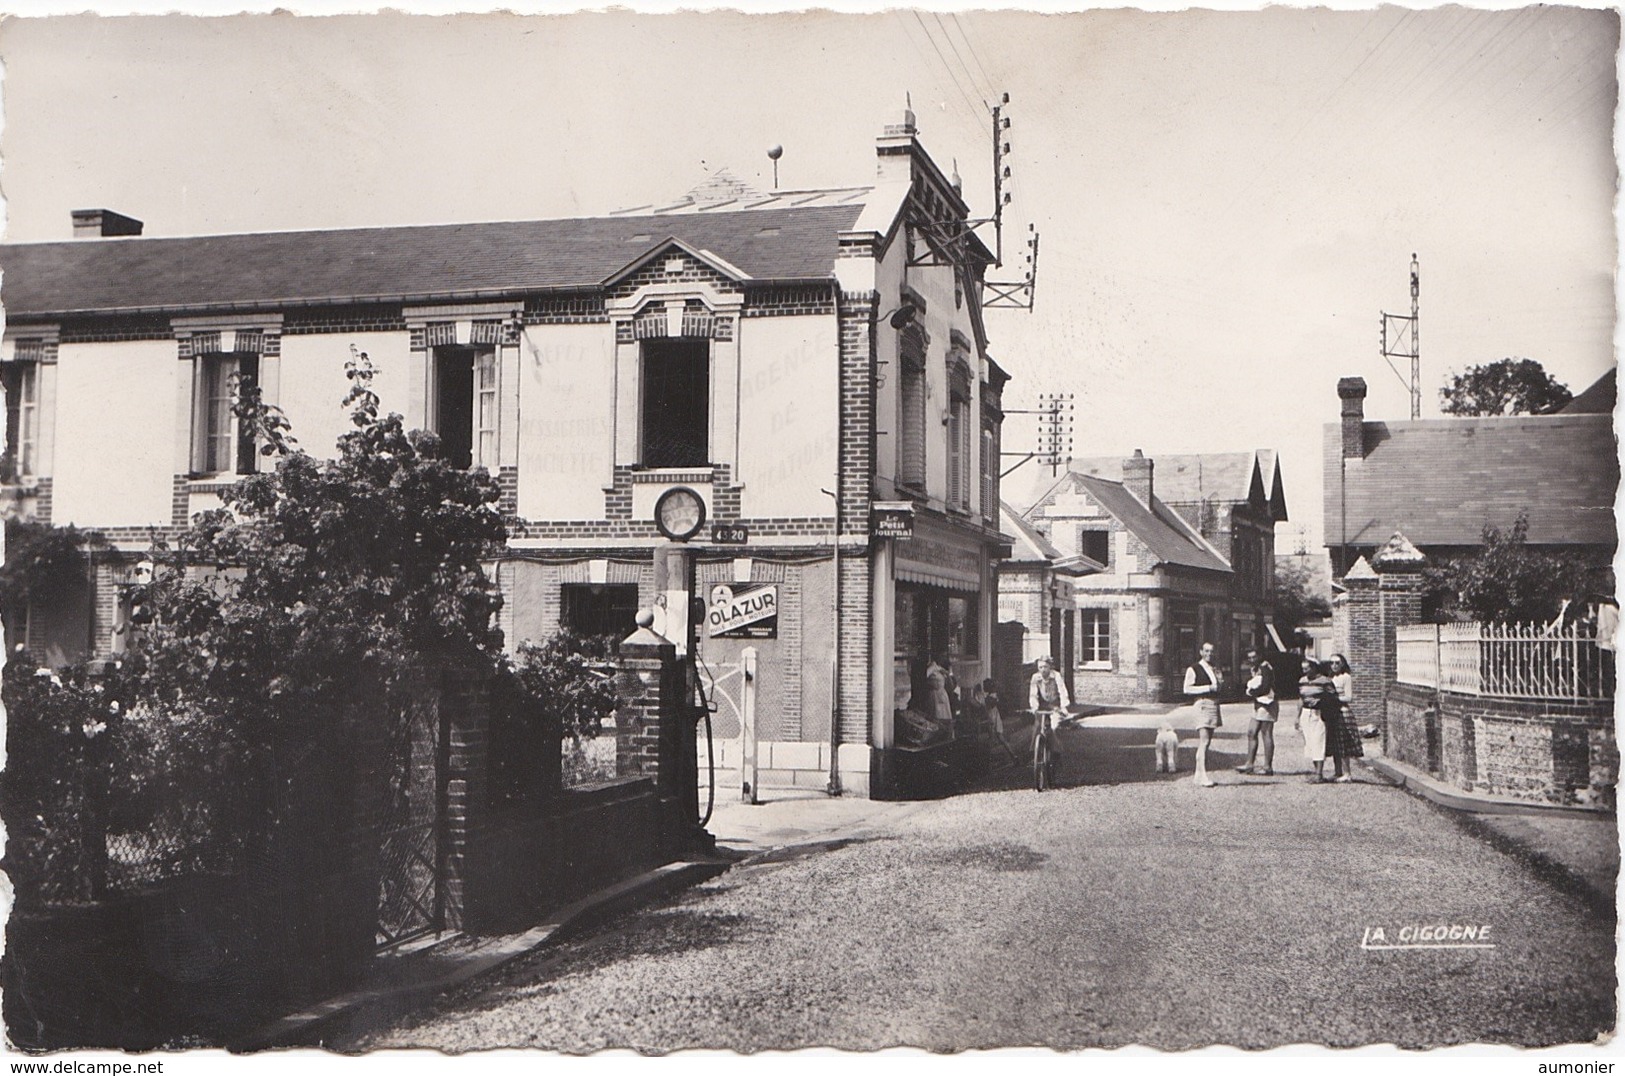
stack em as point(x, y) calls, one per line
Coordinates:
point(1564, 663)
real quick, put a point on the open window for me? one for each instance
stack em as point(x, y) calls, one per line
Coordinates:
point(1096, 544)
point(463, 410)
point(676, 406)
point(221, 444)
point(21, 380)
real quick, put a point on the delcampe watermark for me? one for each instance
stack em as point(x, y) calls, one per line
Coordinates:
point(1429, 936)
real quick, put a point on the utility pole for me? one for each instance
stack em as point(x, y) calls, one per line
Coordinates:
point(1406, 342)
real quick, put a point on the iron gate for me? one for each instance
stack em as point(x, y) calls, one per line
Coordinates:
point(411, 898)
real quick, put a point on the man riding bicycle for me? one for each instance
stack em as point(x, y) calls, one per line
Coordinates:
point(1046, 698)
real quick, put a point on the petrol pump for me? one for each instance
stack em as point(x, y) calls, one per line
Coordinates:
point(679, 612)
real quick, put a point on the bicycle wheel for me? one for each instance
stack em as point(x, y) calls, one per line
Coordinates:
point(1041, 759)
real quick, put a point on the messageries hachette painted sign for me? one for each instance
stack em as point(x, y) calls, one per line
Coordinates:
point(745, 614)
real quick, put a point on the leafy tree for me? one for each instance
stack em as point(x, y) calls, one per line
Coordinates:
point(1506, 387)
point(1297, 600)
point(42, 564)
point(310, 603)
point(1507, 581)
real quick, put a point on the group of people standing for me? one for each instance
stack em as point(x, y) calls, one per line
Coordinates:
point(1325, 691)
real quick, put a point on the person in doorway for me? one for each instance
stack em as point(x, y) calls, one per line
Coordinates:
point(1261, 730)
point(1203, 681)
point(1316, 695)
point(1342, 735)
point(937, 679)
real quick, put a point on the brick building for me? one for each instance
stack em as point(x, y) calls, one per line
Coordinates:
point(1233, 500)
point(1400, 495)
point(1442, 480)
point(1163, 588)
point(1037, 588)
point(781, 360)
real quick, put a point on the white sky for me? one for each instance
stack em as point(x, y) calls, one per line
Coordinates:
point(1226, 200)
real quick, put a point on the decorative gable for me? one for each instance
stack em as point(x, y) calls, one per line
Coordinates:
point(673, 265)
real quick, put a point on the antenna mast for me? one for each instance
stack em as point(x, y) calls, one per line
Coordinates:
point(1407, 340)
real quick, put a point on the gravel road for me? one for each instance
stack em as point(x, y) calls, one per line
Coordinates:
point(1132, 908)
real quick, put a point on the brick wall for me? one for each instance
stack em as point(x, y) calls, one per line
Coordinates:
point(1546, 751)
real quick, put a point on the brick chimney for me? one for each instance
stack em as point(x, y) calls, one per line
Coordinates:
point(1137, 476)
point(1351, 390)
point(896, 147)
point(100, 223)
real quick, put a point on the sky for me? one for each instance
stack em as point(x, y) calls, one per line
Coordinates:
point(1226, 200)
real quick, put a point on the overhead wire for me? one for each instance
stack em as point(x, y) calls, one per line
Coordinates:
point(970, 105)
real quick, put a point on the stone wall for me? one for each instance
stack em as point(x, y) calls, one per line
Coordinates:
point(1551, 752)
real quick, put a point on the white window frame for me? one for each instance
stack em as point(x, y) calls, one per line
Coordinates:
point(215, 449)
point(26, 461)
point(485, 425)
point(1093, 641)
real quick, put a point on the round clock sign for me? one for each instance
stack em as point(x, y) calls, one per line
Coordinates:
point(679, 513)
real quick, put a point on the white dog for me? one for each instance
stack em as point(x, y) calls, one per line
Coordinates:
point(1167, 749)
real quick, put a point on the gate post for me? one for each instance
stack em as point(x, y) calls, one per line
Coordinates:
point(465, 721)
point(749, 782)
point(654, 731)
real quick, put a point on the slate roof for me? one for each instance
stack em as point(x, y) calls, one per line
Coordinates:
point(1598, 399)
point(405, 264)
point(1188, 478)
point(1168, 537)
point(1441, 480)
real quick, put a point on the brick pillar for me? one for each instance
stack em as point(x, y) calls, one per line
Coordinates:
point(1361, 632)
point(654, 730)
point(465, 715)
point(1398, 565)
point(857, 313)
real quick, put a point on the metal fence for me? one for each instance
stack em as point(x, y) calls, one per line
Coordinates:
point(1507, 661)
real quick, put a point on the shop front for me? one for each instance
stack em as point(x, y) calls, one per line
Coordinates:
point(933, 624)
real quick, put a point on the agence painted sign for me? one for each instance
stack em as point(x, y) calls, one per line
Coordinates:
point(748, 614)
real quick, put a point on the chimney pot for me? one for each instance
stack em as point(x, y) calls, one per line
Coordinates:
point(103, 223)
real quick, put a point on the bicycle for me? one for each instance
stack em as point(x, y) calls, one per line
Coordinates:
point(1043, 749)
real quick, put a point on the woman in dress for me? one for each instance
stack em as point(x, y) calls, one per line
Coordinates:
point(1316, 695)
point(1342, 735)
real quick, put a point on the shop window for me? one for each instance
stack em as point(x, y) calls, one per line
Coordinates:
point(676, 409)
point(594, 609)
point(1096, 544)
point(222, 444)
point(22, 418)
point(1095, 638)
